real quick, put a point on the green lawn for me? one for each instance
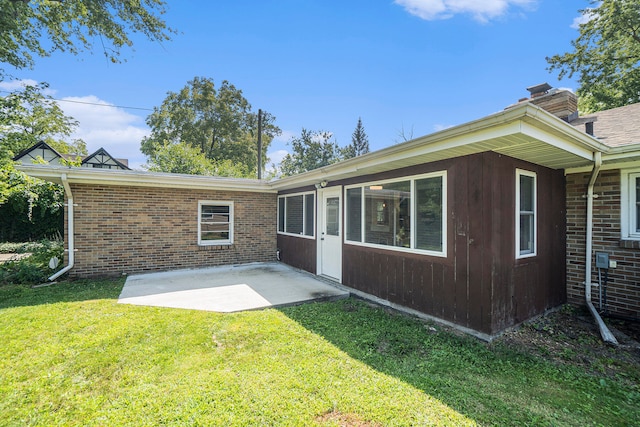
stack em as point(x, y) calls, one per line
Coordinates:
point(70, 355)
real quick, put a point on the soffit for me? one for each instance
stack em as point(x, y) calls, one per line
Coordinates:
point(523, 132)
point(530, 135)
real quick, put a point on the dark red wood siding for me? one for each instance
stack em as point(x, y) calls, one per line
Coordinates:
point(479, 284)
point(298, 252)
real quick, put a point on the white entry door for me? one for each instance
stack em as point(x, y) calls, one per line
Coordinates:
point(330, 233)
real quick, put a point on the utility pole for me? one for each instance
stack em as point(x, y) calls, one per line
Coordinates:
point(259, 144)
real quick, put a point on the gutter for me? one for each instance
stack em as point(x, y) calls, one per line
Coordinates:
point(605, 333)
point(71, 250)
point(134, 178)
point(583, 145)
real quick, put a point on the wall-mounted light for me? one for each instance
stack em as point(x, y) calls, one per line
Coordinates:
point(321, 184)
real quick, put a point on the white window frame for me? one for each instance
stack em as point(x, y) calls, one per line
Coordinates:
point(228, 241)
point(412, 208)
point(534, 252)
point(628, 205)
point(304, 212)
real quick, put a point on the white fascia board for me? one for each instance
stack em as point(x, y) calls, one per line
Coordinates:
point(566, 132)
point(522, 119)
point(469, 133)
point(618, 164)
point(625, 157)
point(581, 150)
point(628, 152)
point(144, 179)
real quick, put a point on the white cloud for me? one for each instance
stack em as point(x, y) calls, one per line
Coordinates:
point(13, 85)
point(102, 124)
point(439, 127)
point(17, 84)
point(482, 11)
point(587, 15)
point(285, 136)
point(276, 157)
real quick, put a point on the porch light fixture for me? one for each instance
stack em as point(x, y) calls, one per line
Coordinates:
point(321, 184)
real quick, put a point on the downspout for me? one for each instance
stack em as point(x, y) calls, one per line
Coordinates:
point(71, 257)
point(605, 333)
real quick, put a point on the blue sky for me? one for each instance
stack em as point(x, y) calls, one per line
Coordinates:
point(406, 67)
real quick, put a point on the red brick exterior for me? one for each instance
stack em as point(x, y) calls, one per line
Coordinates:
point(623, 286)
point(125, 230)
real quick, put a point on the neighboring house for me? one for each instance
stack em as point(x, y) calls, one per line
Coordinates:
point(44, 152)
point(482, 225)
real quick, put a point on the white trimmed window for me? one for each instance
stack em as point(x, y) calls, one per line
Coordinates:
point(407, 214)
point(526, 214)
point(630, 205)
point(215, 223)
point(296, 214)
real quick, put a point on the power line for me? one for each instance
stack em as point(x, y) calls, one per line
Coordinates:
point(94, 103)
point(104, 105)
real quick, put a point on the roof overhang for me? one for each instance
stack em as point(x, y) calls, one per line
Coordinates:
point(134, 178)
point(524, 132)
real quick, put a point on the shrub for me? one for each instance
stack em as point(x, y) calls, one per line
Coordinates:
point(34, 268)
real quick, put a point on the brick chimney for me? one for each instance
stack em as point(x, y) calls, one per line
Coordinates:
point(560, 102)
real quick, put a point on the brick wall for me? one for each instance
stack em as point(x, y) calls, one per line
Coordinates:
point(623, 287)
point(125, 230)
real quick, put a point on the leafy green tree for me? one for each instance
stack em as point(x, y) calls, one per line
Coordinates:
point(359, 142)
point(185, 159)
point(312, 150)
point(31, 208)
point(605, 55)
point(37, 28)
point(217, 121)
point(179, 158)
point(28, 116)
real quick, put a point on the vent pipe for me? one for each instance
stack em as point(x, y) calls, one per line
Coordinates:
point(588, 127)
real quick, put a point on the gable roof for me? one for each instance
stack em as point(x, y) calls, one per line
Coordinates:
point(99, 159)
point(102, 159)
point(616, 127)
point(42, 150)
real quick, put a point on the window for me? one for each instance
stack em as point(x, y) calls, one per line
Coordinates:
point(429, 213)
point(630, 201)
point(525, 213)
point(387, 214)
point(354, 214)
point(296, 214)
point(407, 214)
point(215, 223)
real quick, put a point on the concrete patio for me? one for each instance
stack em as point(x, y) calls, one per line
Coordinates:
point(228, 289)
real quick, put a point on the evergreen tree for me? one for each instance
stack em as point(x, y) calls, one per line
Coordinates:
point(359, 142)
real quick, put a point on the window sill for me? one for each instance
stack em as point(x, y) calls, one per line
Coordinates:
point(304, 236)
point(628, 243)
point(214, 247)
point(400, 249)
